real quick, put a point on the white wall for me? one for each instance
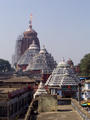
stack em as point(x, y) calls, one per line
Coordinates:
point(52, 91)
point(86, 95)
point(59, 92)
point(87, 86)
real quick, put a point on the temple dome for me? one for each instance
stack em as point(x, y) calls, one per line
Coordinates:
point(63, 64)
point(29, 54)
point(23, 43)
point(33, 46)
point(43, 61)
point(43, 51)
point(30, 32)
point(62, 75)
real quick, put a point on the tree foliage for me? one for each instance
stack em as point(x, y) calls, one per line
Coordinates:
point(85, 65)
point(4, 66)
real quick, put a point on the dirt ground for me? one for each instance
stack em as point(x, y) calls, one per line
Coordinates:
point(64, 113)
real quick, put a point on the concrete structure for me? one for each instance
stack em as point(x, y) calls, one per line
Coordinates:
point(86, 90)
point(16, 93)
point(13, 102)
point(63, 81)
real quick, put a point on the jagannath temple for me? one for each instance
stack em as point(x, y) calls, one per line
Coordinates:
point(63, 81)
point(24, 41)
point(31, 58)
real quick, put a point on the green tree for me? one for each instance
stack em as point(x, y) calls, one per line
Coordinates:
point(4, 66)
point(85, 65)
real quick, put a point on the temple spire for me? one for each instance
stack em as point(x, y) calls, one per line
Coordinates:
point(30, 22)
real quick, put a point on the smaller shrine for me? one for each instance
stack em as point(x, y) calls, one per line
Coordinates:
point(43, 63)
point(28, 56)
point(41, 90)
point(63, 81)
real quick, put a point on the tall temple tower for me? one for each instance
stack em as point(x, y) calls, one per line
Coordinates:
point(24, 41)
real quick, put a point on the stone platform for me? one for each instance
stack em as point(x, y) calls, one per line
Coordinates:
point(64, 113)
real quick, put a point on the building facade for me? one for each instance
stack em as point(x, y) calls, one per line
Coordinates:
point(63, 81)
point(16, 94)
point(86, 90)
point(14, 103)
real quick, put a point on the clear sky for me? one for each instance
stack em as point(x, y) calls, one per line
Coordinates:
point(63, 26)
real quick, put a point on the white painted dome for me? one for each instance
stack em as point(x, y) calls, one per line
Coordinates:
point(43, 51)
point(63, 64)
point(33, 46)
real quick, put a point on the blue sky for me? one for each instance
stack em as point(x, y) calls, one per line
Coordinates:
point(63, 26)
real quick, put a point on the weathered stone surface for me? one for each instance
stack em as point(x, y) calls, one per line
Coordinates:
point(47, 103)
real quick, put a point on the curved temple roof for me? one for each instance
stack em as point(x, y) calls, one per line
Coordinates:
point(62, 75)
point(40, 90)
point(29, 54)
point(43, 61)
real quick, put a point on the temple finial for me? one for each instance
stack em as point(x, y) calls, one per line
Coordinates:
point(30, 21)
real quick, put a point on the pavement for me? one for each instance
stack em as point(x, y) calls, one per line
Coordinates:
point(65, 112)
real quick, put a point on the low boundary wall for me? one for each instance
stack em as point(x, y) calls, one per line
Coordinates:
point(28, 114)
point(83, 113)
point(32, 110)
